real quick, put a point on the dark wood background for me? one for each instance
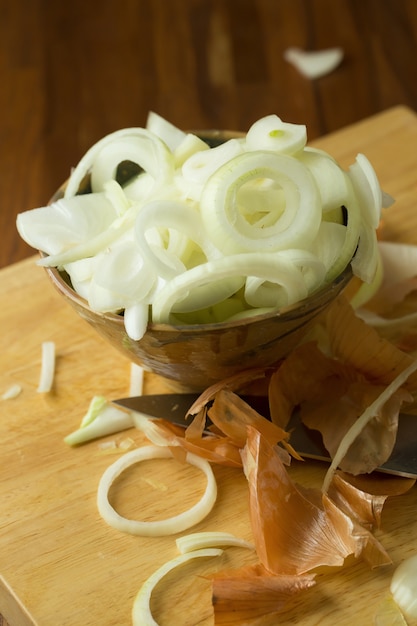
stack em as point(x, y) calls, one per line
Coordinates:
point(74, 71)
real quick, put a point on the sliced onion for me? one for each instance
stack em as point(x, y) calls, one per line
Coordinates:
point(368, 191)
point(158, 528)
point(404, 586)
point(141, 612)
point(212, 282)
point(271, 133)
point(199, 541)
point(188, 146)
point(177, 217)
point(64, 224)
point(136, 318)
point(201, 165)
point(222, 216)
point(97, 244)
point(152, 155)
point(12, 392)
point(169, 133)
point(350, 244)
point(47, 374)
point(121, 273)
point(265, 293)
point(365, 263)
point(331, 180)
point(136, 379)
point(314, 63)
point(100, 420)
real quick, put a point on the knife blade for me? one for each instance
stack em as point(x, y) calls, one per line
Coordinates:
point(175, 407)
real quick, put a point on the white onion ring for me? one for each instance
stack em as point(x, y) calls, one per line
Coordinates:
point(211, 282)
point(151, 154)
point(158, 528)
point(296, 227)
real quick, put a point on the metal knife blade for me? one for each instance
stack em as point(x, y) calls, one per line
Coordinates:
point(308, 443)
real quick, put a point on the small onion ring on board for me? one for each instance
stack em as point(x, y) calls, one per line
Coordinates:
point(158, 528)
point(141, 612)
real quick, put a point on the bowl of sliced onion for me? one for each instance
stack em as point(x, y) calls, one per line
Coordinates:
point(203, 254)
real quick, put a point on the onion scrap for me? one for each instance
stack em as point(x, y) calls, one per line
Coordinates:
point(12, 392)
point(404, 586)
point(47, 374)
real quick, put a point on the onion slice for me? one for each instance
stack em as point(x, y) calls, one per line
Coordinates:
point(404, 586)
point(199, 541)
point(12, 392)
point(159, 528)
point(314, 63)
point(141, 613)
point(47, 374)
point(296, 225)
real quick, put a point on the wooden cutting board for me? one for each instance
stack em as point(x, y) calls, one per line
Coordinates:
point(59, 562)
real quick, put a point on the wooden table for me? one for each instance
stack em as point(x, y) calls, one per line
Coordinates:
point(59, 562)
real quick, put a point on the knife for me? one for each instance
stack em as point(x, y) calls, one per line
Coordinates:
point(175, 407)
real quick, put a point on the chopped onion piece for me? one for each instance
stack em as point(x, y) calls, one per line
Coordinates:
point(101, 419)
point(47, 367)
point(367, 189)
point(198, 541)
point(212, 282)
point(271, 133)
point(141, 612)
point(136, 318)
point(314, 63)
point(169, 133)
point(136, 379)
point(12, 392)
point(153, 154)
point(66, 223)
point(189, 146)
point(95, 407)
point(159, 528)
point(201, 165)
point(404, 586)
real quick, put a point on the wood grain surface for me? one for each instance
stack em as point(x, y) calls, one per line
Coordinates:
point(59, 562)
point(74, 71)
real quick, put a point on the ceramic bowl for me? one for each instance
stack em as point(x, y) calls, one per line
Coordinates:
point(196, 356)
